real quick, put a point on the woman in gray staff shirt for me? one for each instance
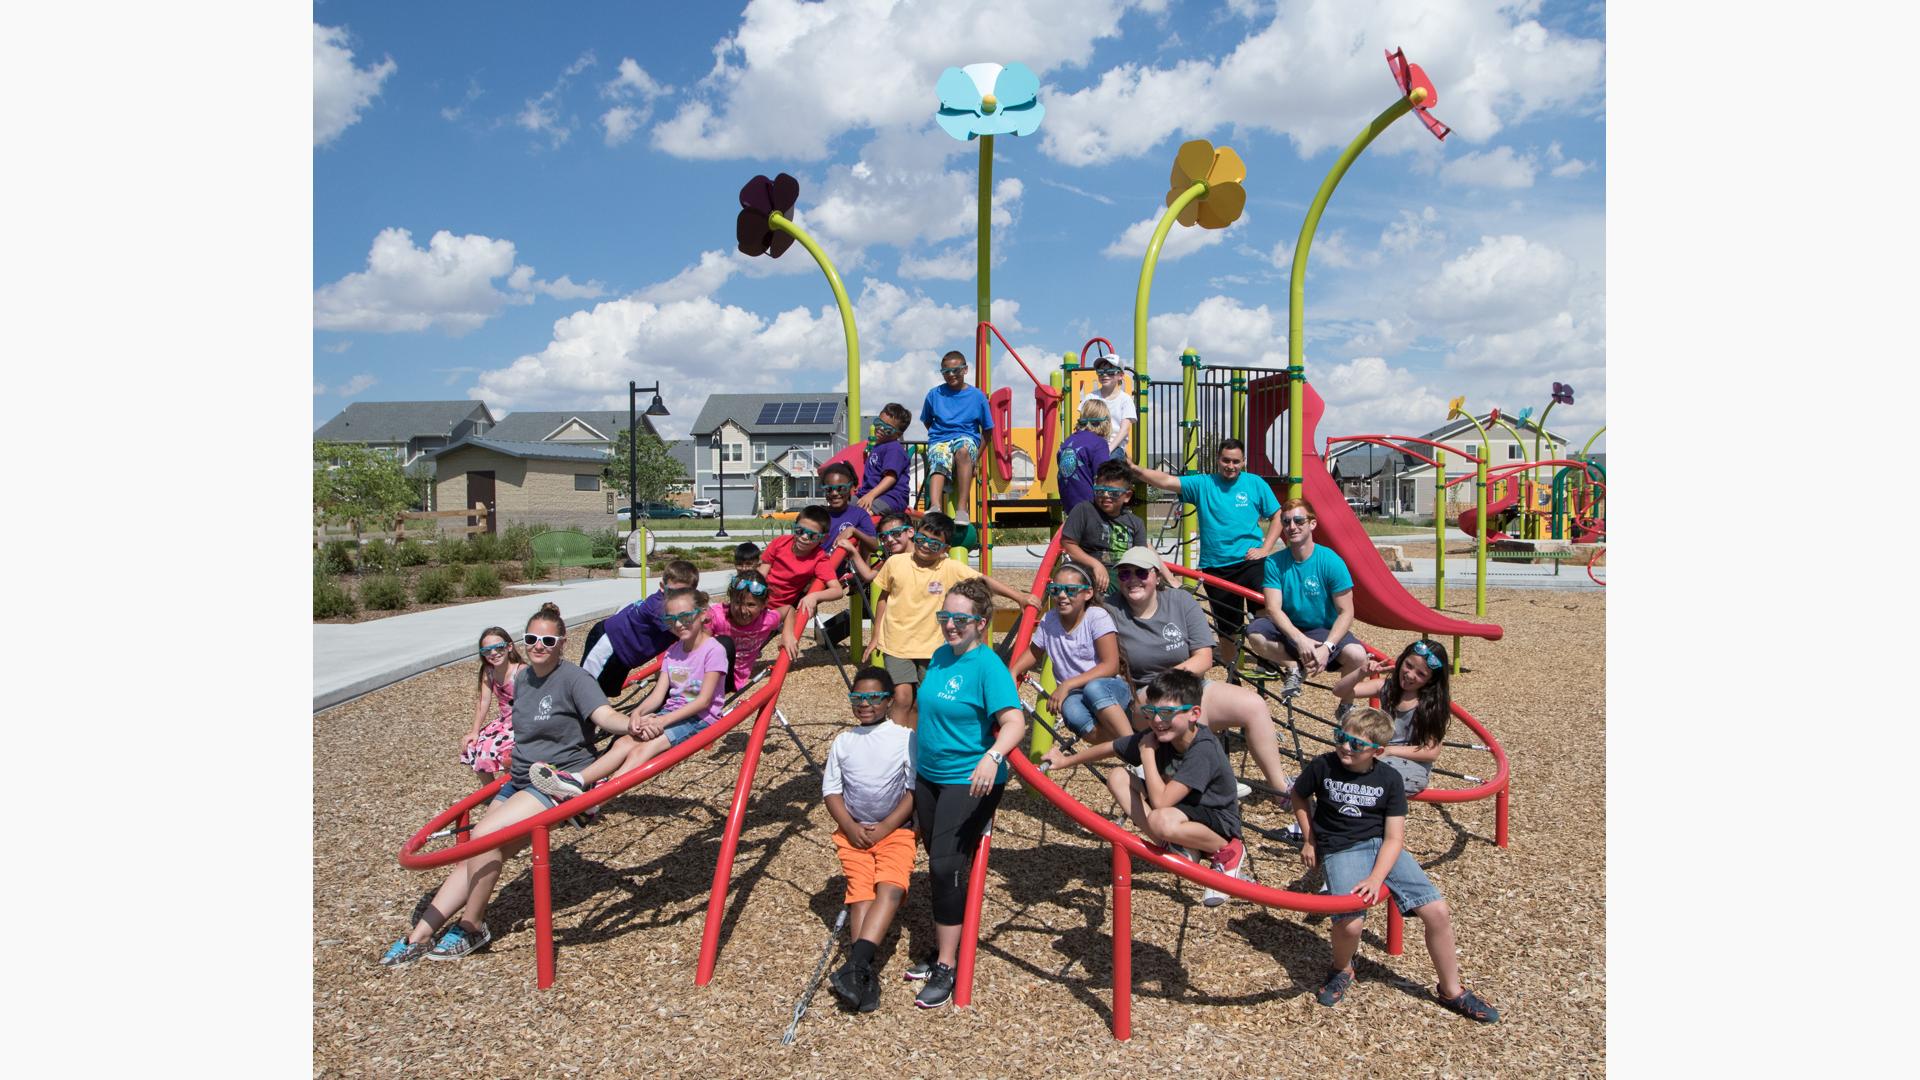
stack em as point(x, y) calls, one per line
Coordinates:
point(1161, 629)
point(556, 708)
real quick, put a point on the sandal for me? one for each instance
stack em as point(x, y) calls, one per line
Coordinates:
point(1469, 1005)
point(1335, 987)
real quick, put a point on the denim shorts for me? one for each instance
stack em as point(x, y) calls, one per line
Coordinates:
point(509, 789)
point(1350, 866)
point(687, 729)
point(1081, 707)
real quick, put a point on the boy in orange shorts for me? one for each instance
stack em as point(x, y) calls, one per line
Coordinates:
point(869, 792)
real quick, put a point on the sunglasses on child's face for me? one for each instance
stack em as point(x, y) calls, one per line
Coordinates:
point(1352, 742)
point(1297, 519)
point(1132, 573)
point(888, 534)
point(1155, 712)
point(547, 640)
point(1103, 489)
point(805, 533)
point(931, 543)
point(684, 616)
point(1108, 373)
point(867, 697)
point(489, 650)
point(1089, 422)
point(1058, 588)
point(831, 488)
point(881, 427)
point(757, 588)
point(961, 617)
point(1432, 658)
point(956, 370)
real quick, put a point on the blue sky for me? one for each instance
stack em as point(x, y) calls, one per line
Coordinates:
point(531, 205)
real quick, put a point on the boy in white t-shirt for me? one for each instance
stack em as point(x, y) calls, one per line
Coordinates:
point(1079, 636)
point(869, 793)
point(1120, 411)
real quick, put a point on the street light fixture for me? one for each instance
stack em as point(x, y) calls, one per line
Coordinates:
point(720, 453)
point(657, 408)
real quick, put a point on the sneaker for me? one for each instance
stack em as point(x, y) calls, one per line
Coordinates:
point(556, 784)
point(1291, 834)
point(1228, 860)
point(869, 990)
point(920, 970)
point(403, 953)
point(585, 818)
point(1335, 988)
point(1295, 677)
point(1341, 710)
point(1469, 1005)
point(1241, 791)
point(939, 988)
point(960, 518)
point(845, 984)
point(458, 941)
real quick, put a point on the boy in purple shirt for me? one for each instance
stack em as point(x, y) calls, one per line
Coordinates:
point(886, 486)
point(1083, 452)
point(636, 633)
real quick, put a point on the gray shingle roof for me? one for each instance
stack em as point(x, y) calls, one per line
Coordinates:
point(682, 451)
point(535, 450)
point(744, 409)
point(536, 426)
point(398, 421)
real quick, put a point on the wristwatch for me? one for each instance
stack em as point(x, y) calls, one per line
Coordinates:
point(998, 758)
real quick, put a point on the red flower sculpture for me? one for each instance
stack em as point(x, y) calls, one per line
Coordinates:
point(1411, 78)
point(759, 199)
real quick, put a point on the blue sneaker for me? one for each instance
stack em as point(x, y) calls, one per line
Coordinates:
point(402, 953)
point(458, 941)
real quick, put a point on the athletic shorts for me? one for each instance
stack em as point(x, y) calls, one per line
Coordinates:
point(1266, 627)
point(905, 670)
point(889, 861)
point(940, 454)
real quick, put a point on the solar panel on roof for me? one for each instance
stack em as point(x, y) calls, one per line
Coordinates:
point(812, 414)
point(789, 412)
point(768, 412)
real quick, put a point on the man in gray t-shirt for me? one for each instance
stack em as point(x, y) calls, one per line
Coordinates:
point(551, 720)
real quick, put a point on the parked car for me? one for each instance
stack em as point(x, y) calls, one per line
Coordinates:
point(1361, 506)
point(706, 508)
point(654, 510)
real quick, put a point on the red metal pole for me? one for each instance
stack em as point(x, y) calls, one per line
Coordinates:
point(730, 841)
point(1395, 925)
point(542, 911)
point(1122, 944)
point(970, 923)
point(1500, 818)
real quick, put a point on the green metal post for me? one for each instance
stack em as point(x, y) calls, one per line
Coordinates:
point(1189, 444)
point(1237, 402)
point(1297, 294)
point(1140, 379)
point(1480, 545)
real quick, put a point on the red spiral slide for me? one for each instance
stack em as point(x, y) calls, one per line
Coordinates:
point(1378, 597)
point(1470, 518)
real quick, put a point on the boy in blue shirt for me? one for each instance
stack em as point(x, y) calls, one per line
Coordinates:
point(1231, 505)
point(1309, 604)
point(958, 425)
point(886, 485)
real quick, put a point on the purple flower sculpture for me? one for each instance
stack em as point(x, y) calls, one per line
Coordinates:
point(760, 199)
point(1409, 77)
point(1562, 394)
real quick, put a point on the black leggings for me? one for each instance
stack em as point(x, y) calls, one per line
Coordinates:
point(951, 821)
point(1230, 608)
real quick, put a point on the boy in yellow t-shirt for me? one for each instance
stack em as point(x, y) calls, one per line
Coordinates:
point(913, 586)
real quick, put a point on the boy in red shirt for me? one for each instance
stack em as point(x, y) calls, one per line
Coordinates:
point(801, 571)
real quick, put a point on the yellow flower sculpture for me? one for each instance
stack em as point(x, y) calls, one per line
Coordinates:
point(1453, 407)
point(1222, 171)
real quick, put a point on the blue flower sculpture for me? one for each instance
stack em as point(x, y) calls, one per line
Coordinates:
point(989, 99)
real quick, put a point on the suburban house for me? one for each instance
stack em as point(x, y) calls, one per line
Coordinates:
point(578, 427)
point(756, 437)
point(406, 430)
point(1403, 485)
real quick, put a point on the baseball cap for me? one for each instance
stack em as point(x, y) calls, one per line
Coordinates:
point(1141, 556)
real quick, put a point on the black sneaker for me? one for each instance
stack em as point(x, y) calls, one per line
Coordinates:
point(939, 988)
point(920, 970)
point(845, 984)
point(869, 990)
point(1335, 988)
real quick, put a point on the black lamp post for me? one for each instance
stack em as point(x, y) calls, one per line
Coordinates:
point(720, 452)
point(658, 408)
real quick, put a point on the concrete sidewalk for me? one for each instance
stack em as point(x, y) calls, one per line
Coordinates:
point(349, 659)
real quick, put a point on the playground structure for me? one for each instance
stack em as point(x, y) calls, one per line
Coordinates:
point(1250, 403)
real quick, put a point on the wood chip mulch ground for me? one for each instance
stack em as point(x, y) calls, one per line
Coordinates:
point(1218, 992)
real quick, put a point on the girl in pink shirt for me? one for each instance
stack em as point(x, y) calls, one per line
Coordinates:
point(746, 621)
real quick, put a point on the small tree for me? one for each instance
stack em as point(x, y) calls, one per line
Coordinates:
point(655, 468)
point(352, 483)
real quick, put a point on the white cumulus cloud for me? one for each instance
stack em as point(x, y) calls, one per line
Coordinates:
point(1496, 168)
point(447, 284)
point(1181, 241)
point(636, 91)
point(340, 90)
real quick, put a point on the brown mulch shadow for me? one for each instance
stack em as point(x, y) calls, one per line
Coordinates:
point(1226, 991)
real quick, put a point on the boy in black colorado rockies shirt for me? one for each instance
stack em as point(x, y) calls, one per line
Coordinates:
point(1356, 830)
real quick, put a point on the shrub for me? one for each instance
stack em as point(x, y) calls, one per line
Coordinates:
point(509, 571)
point(378, 556)
point(336, 557)
point(329, 598)
point(384, 593)
point(484, 547)
point(411, 553)
point(606, 543)
point(515, 543)
point(482, 581)
point(535, 569)
point(436, 587)
point(452, 551)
